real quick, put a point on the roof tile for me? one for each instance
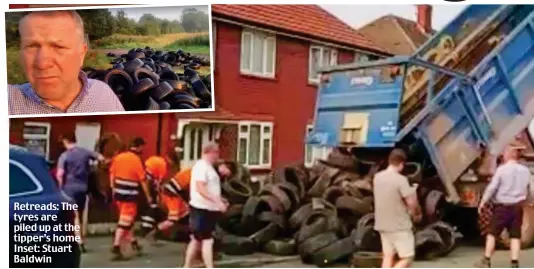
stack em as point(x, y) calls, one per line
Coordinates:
point(309, 20)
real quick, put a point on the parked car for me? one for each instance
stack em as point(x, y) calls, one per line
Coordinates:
point(30, 183)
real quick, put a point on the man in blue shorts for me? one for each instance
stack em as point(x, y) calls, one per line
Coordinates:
point(73, 172)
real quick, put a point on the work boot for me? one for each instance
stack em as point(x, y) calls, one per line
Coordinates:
point(117, 254)
point(514, 264)
point(483, 263)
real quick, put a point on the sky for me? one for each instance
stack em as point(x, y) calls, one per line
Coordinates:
point(359, 15)
point(170, 13)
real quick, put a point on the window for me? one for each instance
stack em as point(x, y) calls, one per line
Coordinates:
point(194, 138)
point(21, 180)
point(36, 137)
point(320, 57)
point(255, 144)
point(258, 53)
point(362, 58)
point(313, 152)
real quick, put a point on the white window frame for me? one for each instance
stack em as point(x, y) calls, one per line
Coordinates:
point(39, 136)
point(265, 73)
point(358, 57)
point(317, 152)
point(28, 172)
point(263, 136)
point(333, 60)
point(192, 146)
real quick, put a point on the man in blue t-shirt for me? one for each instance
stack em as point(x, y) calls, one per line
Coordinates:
point(73, 170)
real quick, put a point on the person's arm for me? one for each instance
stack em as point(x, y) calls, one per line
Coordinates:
point(141, 174)
point(409, 195)
point(60, 173)
point(490, 189)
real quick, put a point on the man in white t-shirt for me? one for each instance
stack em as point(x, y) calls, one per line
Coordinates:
point(206, 205)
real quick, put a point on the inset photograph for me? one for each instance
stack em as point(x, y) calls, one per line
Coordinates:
point(105, 60)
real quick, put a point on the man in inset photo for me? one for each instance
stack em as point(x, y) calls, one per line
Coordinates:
point(52, 52)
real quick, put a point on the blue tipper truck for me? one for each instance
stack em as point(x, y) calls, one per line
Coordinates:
point(466, 92)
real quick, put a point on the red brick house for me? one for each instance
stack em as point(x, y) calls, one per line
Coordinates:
point(398, 35)
point(266, 57)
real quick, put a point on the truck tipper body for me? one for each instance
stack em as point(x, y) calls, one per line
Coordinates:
point(467, 91)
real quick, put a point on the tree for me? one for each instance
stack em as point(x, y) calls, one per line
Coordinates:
point(98, 22)
point(150, 23)
point(124, 24)
point(194, 20)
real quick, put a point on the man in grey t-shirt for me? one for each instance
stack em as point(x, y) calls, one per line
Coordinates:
point(395, 206)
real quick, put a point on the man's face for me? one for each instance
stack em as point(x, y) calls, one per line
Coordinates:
point(224, 170)
point(52, 53)
point(213, 155)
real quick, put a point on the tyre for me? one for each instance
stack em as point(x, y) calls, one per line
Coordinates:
point(314, 244)
point(161, 91)
point(285, 247)
point(333, 252)
point(118, 80)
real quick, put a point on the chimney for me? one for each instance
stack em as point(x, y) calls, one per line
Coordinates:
point(424, 18)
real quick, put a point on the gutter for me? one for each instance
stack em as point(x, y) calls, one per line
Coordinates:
point(296, 36)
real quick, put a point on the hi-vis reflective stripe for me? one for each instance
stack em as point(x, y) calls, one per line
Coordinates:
point(148, 219)
point(148, 225)
point(126, 183)
point(124, 223)
point(126, 192)
point(171, 189)
point(176, 185)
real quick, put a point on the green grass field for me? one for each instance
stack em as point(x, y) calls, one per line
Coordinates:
point(188, 42)
point(94, 59)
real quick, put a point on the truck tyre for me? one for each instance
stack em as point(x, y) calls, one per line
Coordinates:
point(118, 80)
point(428, 243)
point(250, 209)
point(285, 247)
point(322, 183)
point(366, 239)
point(140, 73)
point(333, 193)
point(275, 191)
point(265, 234)
point(131, 65)
point(333, 252)
point(343, 161)
point(354, 205)
point(161, 91)
point(236, 192)
point(365, 259)
point(271, 217)
point(314, 244)
point(292, 193)
point(297, 218)
point(237, 245)
point(273, 203)
point(448, 234)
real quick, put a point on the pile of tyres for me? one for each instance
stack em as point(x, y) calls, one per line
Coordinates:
point(323, 214)
point(144, 79)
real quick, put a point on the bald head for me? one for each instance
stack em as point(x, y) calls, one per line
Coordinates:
point(210, 152)
point(70, 14)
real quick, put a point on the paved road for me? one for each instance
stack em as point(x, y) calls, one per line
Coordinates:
point(170, 255)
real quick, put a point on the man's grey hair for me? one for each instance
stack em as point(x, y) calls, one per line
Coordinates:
point(72, 13)
point(210, 147)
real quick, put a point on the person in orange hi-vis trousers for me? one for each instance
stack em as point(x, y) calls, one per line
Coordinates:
point(127, 174)
point(174, 196)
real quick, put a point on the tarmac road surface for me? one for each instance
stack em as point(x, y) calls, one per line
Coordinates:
point(171, 255)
